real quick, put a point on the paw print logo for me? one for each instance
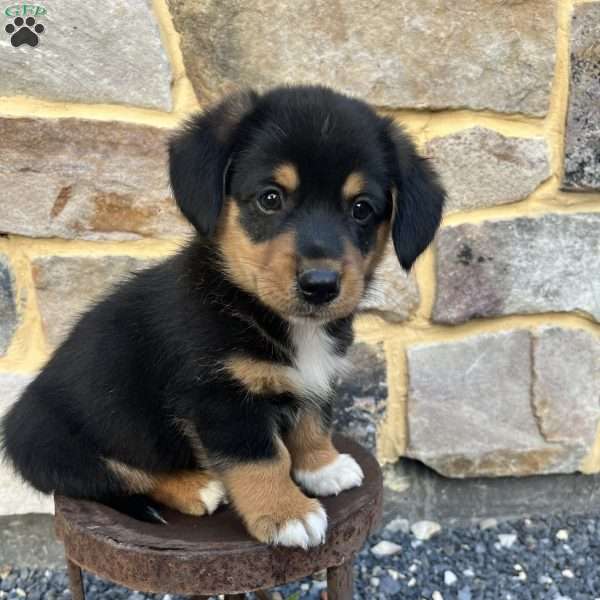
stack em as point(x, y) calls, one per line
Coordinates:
point(24, 31)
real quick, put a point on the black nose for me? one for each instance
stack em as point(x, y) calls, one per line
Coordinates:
point(319, 286)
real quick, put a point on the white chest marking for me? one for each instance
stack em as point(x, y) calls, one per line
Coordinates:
point(316, 362)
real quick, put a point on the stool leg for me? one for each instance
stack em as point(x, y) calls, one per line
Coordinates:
point(75, 581)
point(340, 581)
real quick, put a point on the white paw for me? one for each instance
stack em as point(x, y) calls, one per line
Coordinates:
point(310, 531)
point(342, 474)
point(212, 495)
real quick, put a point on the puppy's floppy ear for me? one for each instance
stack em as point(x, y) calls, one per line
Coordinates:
point(199, 157)
point(419, 196)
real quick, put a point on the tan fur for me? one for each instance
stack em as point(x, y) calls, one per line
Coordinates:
point(310, 445)
point(286, 175)
point(137, 481)
point(265, 496)
point(259, 376)
point(374, 257)
point(355, 184)
point(267, 269)
point(352, 283)
point(181, 491)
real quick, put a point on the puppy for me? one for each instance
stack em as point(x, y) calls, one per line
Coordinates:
point(210, 375)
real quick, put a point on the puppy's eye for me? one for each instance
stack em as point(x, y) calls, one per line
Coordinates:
point(362, 211)
point(270, 201)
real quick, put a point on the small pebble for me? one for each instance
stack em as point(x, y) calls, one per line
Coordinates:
point(398, 525)
point(562, 534)
point(425, 530)
point(568, 573)
point(385, 548)
point(450, 578)
point(469, 573)
point(507, 540)
point(437, 596)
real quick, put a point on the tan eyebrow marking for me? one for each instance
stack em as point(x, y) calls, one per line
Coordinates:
point(286, 175)
point(355, 183)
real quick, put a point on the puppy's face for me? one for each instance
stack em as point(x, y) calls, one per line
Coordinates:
point(307, 186)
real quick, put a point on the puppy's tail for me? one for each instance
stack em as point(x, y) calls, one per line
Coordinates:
point(138, 507)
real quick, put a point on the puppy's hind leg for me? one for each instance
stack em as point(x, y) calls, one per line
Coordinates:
point(190, 492)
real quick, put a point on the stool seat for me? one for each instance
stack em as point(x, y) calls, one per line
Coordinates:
point(213, 554)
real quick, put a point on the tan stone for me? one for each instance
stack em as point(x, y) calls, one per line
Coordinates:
point(479, 54)
point(67, 285)
point(506, 403)
point(108, 52)
point(567, 384)
point(481, 167)
point(87, 179)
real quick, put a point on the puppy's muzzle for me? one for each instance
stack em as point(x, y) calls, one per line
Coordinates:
point(319, 286)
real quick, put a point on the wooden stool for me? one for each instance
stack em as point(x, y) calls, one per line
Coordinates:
point(205, 556)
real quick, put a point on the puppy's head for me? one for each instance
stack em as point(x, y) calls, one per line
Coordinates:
point(299, 190)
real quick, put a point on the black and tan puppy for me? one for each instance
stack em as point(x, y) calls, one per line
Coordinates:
point(210, 375)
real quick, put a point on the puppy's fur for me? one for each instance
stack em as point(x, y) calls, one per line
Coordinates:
point(211, 374)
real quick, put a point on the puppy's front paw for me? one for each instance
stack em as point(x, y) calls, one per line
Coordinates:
point(342, 474)
point(301, 531)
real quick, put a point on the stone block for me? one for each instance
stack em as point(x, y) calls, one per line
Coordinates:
point(582, 141)
point(508, 403)
point(477, 54)
point(518, 266)
point(67, 285)
point(481, 167)
point(109, 53)
point(360, 402)
point(86, 179)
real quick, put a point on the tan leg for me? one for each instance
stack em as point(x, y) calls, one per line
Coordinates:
point(190, 492)
point(318, 467)
point(273, 508)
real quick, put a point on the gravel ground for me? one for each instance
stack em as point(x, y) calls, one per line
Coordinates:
point(556, 558)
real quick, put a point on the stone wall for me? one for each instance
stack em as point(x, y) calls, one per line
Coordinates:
point(486, 359)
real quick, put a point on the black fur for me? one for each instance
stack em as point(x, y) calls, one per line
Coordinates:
point(150, 354)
